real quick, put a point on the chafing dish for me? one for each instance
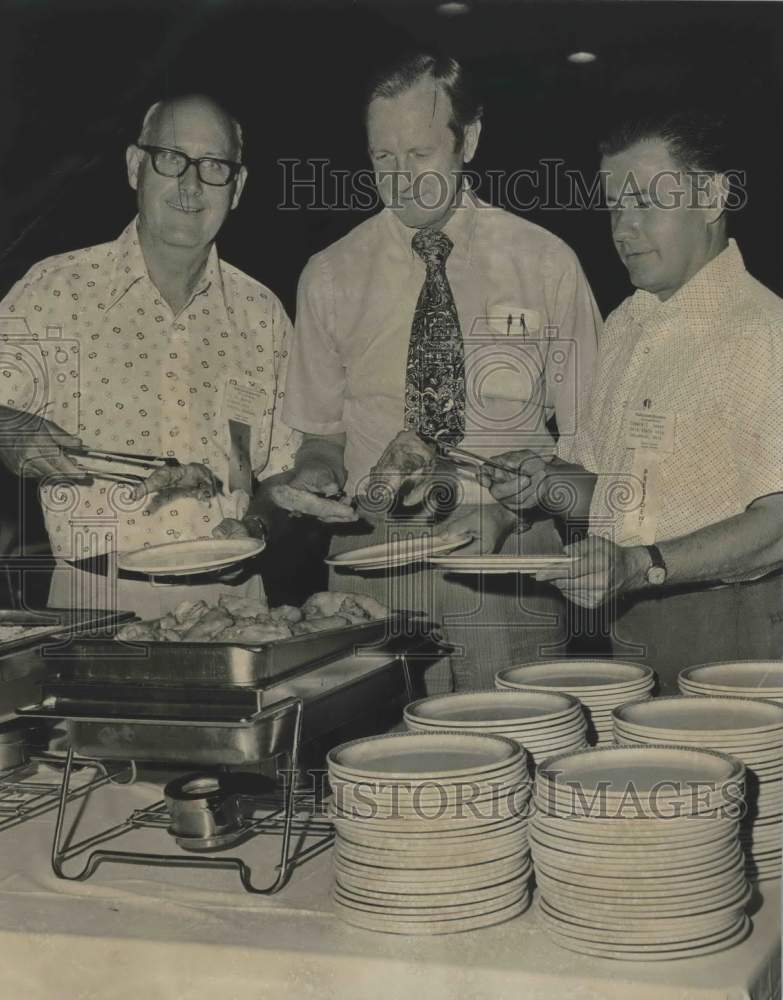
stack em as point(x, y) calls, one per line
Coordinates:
point(213, 737)
point(216, 664)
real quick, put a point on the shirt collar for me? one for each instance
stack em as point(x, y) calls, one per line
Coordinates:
point(131, 267)
point(704, 296)
point(459, 229)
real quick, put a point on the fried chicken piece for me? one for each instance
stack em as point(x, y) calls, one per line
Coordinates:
point(188, 480)
point(286, 613)
point(305, 502)
point(406, 460)
point(319, 625)
point(243, 607)
point(210, 625)
point(323, 604)
point(250, 632)
point(372, 608)
point(187, 613)
point(139, 631)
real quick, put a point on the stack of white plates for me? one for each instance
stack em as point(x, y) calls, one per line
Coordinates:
point(431, 832)
point(738, 678)
point(751, 729)
point(631, 862)
point(543, 722)
point(600, 685)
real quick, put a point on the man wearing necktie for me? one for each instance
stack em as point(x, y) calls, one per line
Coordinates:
point(402, 335)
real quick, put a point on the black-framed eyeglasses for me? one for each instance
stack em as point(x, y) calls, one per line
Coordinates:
point(173, 163)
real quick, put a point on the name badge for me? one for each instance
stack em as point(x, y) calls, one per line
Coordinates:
point(243, 403)
point(648, 430)
point(243, 407)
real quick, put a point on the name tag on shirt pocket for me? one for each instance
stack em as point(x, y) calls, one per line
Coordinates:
point(505, 319)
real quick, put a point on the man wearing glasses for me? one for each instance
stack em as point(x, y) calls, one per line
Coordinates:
point(152, 345)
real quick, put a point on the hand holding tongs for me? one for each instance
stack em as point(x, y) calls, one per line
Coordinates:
point(145, 463)
point(447, 450)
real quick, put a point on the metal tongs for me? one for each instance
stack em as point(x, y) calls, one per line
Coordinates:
point(146, 463)
point(460, 455)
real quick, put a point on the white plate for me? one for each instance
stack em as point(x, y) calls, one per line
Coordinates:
point(492, 707)
point(502, 564)
point(417, 757)
point(610, 675)
point(754, 676)
point(397, 553)
point(201, 555)
point(645, 767)
point(714, 717)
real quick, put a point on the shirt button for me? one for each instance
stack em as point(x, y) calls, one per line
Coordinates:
point(647, 350)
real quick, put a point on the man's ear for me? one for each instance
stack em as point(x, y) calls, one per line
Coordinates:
point(239, 186)
point(133, 157)
point(470, 140)
point(718, 190)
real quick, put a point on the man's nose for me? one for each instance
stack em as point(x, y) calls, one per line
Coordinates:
point(190, 180)
point(625, 224)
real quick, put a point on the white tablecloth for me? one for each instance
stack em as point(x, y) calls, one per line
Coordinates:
point(153, 934)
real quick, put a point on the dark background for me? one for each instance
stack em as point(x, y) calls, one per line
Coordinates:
point(76, 78)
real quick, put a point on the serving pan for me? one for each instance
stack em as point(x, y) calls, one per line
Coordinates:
point(216, 664)
point(214, 738)
point(52, 623)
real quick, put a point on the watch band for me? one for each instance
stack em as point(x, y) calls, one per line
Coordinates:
point(657, 572)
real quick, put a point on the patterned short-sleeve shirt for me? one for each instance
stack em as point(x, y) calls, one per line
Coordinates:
point(87, 340)
point(711, 357)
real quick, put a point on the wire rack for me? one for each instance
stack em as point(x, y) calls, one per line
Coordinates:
point(25, 793)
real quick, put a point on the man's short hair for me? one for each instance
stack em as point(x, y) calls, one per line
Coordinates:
point(154, 113)
point(697, 140)
point(405, 71)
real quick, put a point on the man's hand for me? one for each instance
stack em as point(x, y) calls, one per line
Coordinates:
point(603, 570)
point(191, 480)
point(35, 450)
point(315, 477)
point(229, 527)
point(489, 525)
point(519, 485)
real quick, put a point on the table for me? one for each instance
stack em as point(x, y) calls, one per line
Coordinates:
point(156, 934)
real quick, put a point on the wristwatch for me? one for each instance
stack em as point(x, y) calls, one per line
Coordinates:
point(656, 574)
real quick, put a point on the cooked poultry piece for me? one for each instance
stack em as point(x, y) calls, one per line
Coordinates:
point(286, 613)
point(188, 612)
point(324, 604)
point(304, 502)
point(139, 632)
point(332, 602)
point(209, 626)
point(406, 460)
point(252, 632)
point(188, 480)
point(319, 625)
point(243, 607)
point(241, 620)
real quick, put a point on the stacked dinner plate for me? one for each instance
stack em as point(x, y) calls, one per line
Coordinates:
point(751, 729)
point(431, 831)
point(739, 678)
point(636, 852)
point(543, 722)
point(600, 685)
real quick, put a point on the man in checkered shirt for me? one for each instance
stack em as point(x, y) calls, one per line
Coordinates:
point(678, 467)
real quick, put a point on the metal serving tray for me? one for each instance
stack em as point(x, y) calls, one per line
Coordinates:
point(213, 739)
point(216, 664)
point(54, 623)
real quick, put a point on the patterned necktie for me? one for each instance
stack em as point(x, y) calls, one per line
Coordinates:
point(435, 373)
